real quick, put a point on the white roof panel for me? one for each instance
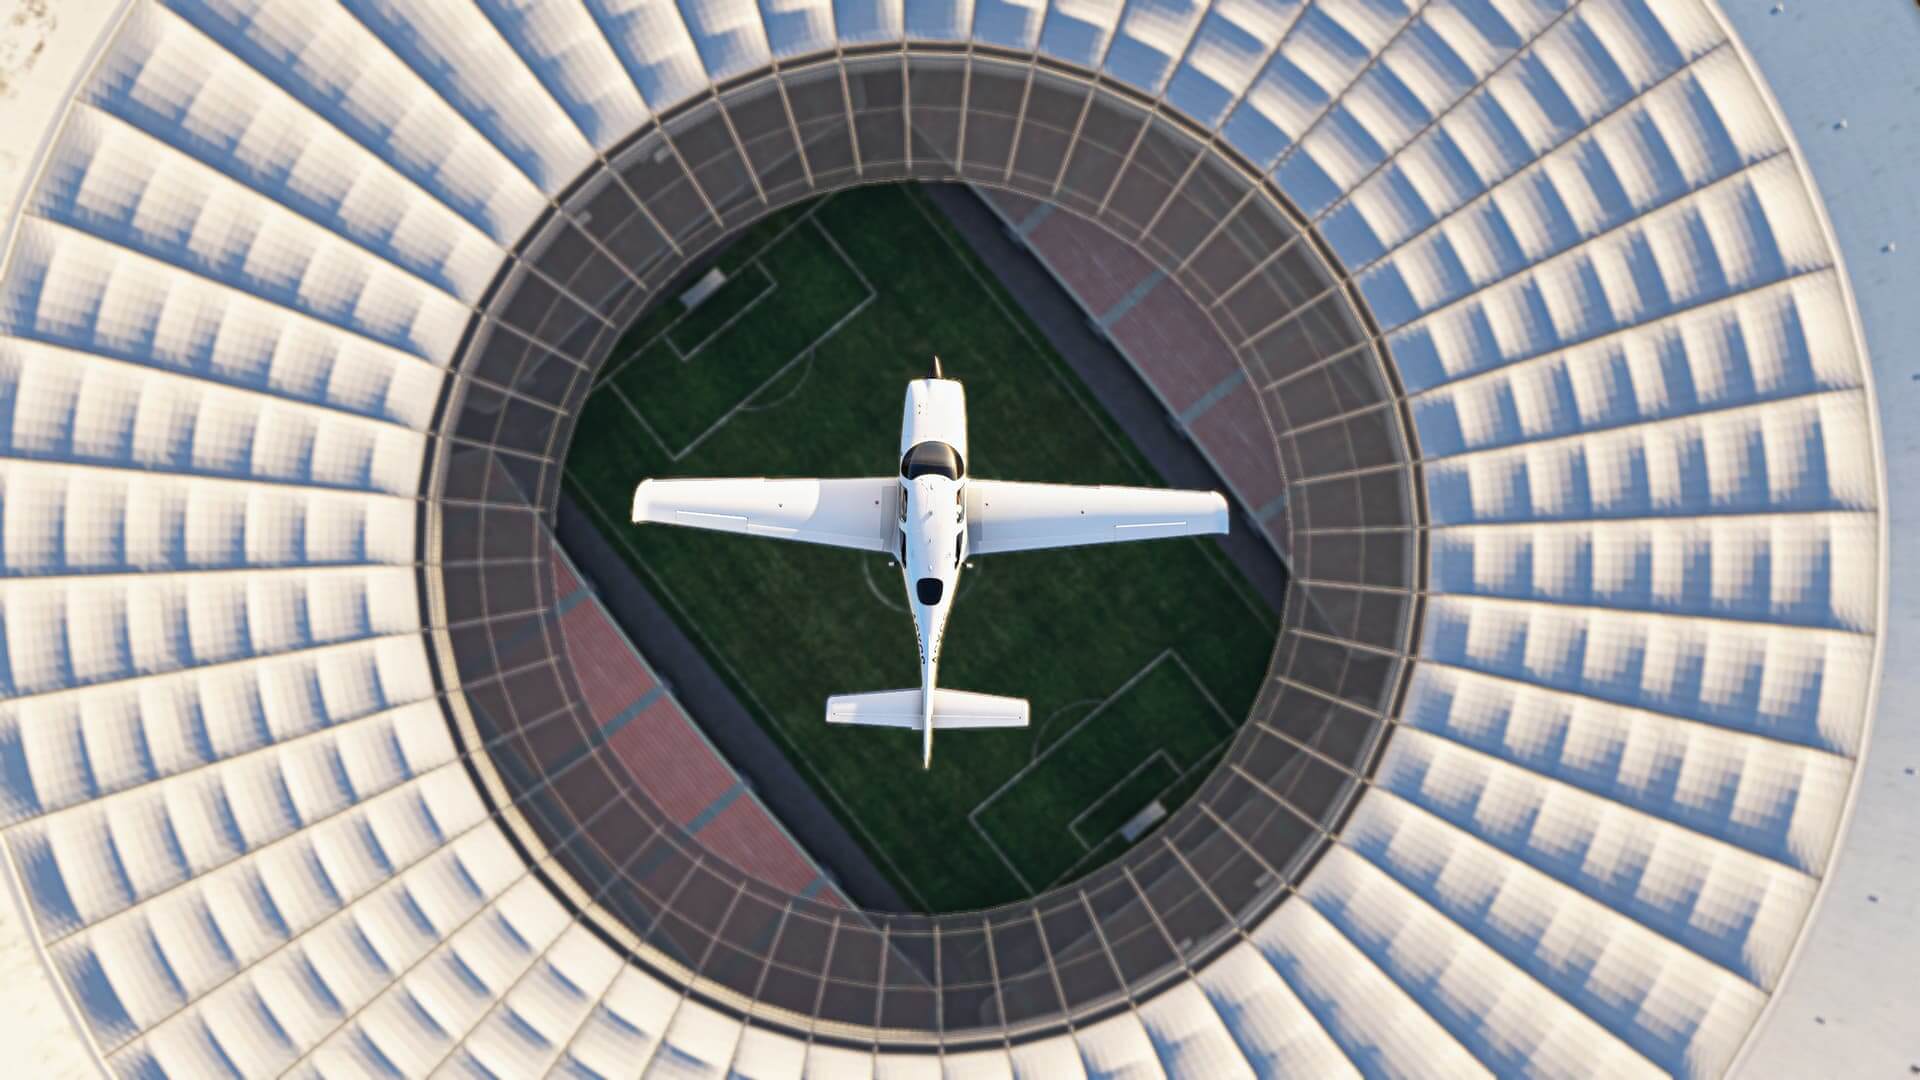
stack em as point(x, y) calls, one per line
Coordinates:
point(1151, 38)
point(652, 40)
point(338, 68)
point(798, 27)
point(1267, 1020)
point(473, 68)
point(862, 21)
point(562, 47)
point(729, 34)
point(768, 1055)
point(1118, 1047)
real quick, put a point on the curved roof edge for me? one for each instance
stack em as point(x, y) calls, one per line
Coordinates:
point(1846, 1005)
point(43, 1032)
point(62, 54)
point(42, 1029)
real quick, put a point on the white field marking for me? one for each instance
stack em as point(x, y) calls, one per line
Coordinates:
point(973, 815)
point(692, 627)
point(827, 235)
point(636, 414)
point(1159, 754)
point(745, 402)
point(773, 286)
point(805, 354)
point(1077, 725)
point(607, 373)
point(605, 376)
point(1004, 861)
point(767, 406)
point(1069, 873)
point(866, 572)
point(1128, 459)
point(1226, 718)
point(1205, 760)
point(1040, 731)
point(744, 405)
point(1034, 762)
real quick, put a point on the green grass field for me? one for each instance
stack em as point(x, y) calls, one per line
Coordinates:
point(1139, 659)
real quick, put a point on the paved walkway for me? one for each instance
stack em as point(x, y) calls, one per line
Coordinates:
point(1113, 381)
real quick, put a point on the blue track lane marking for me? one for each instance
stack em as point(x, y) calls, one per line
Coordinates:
point(1032, 221)
point(1211, 398)
point(720, 802)
point(1126, 303)
point(613, 726)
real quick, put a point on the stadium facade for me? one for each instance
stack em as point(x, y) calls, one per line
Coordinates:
point(1559, 370)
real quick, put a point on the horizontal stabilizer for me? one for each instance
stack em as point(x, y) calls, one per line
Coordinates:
point(951, 709)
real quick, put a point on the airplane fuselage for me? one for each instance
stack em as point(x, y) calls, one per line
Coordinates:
point(933, 525)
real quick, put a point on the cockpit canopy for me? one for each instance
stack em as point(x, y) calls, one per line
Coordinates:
point(932, 458)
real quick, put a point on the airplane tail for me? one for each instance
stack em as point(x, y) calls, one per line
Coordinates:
point(951, 709)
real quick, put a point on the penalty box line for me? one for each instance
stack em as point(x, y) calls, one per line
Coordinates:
point(1159, 754)
point(973, 815)
point(1181, 775)
point(798, 358)
point(772, 286)
point(607, 373)
point(1226, 718)
point(1205, 760)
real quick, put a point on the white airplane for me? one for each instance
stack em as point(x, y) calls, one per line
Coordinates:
point(932, 518)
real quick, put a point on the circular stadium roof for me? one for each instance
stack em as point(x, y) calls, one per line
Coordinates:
point(1586, 524)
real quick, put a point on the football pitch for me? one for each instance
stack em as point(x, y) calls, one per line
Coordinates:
point(1140, 659)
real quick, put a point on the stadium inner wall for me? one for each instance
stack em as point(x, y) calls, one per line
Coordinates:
point(635, 227)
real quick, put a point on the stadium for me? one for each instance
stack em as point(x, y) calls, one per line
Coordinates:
point(1544, 718)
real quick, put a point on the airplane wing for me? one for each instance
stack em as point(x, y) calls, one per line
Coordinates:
point(860, 513)
point(1006, 516)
